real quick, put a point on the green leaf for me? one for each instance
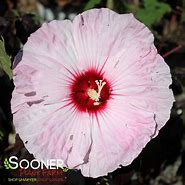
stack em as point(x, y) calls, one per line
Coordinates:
point(5, 62)
point(152, 12)
point(133, 8)
point(91, 4)
point(110, 4)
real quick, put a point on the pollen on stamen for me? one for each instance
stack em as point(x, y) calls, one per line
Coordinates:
point(95, 95)
point(90, 92)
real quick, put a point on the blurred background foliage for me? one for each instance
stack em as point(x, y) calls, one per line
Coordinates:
point(162, 162)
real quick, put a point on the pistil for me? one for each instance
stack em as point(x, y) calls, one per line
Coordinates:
point(95, 95)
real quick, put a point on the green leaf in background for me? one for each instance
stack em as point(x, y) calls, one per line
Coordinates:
point(91, 4)
point(110, 4)
point(5, 62)
point(151, 13)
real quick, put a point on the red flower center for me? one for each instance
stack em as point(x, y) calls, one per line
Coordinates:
point(90, 91)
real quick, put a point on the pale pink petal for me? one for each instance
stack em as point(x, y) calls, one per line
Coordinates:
point(53, 40)
point(119, 134)
point(146, 86)
point(101, 35)
point(38, 64)
point(49, 132)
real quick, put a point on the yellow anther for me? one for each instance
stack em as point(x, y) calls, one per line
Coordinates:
point(94, 95)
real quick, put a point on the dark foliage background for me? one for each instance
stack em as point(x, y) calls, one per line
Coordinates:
point(162, 162)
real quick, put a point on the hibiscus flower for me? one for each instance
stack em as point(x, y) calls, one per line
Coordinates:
point(92, 92)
